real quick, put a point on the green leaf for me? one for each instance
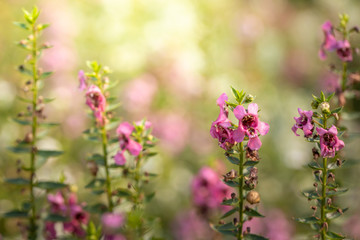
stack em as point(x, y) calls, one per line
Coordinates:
point(252, 213)
point(41, 27)
point(28, 16)
point(251, 236)
point(16, 214)
point(335, 213)
point(251, 163)
point(333, 235)
point(98, 192)
point(149, 197)
point(317, 99)
point(19, 149)
point(18, 181)
point(337, 192)
point(112, 107)
point(333, 165)
point(45, 75)
point(112, 124)
point(231, 183)
point(49, 153)
point(311, 194)
point(49, 185)
point(22, 25)
point(314, 165)
point(337, 110)
point(98, 158)
point(236, 94)
point(233, 160)
point(56, 218)
point(330, 97)
point(96, 183)
point(96, 208)
point(24, 99)
point(228, 213)
point(322, 97)
point(230, 202)
point(22, 122)
point(123, 192)
point(22, 69)
point(226, 226)
point(307, 220)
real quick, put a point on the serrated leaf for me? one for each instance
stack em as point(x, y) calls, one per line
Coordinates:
point(56, 218)
point(307, 220)
point(50, 185)
point(228, 213)
point(335, 214)
point(18, 181)
point(252, 213)
point(96, 183)
point(233, 160)
point(16, 214)
point(251, 236)
point(22, 25)
point(337, 192)
point(337, 110)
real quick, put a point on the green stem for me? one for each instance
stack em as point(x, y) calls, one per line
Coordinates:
point(241, 198)
point(323, 194)
point(32, 220)
point(107, 181)
point(344, 76)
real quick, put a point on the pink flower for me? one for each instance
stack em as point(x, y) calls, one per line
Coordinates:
point(111, 222)
point(208, 190)
point(344, 51)
point(330, 43)
point(220, 128)
point(97, 102)
point(124, 131)
point(329, 142)
point(114, 237)
point(249, 125)
point(57, 202)
point(304, 122)
point(82, 80)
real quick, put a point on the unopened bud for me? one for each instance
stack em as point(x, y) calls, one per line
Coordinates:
point(253, 197)
point(235, 221)
point(233, 195)
point(249, 98)
point(325, 107)
point(28, 138)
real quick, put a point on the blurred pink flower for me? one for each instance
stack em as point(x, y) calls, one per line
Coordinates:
point(139, 93)
point(114, 237)
point(190, 226)
point(57, 202)
point(329, 142)
point(330, 43)
point(352, 227)
point(49, 231)
point(97, 102)
point(330, 82)
point(344, 51)
point(82, 80)
point(209, 191)
point(304, 122)
point(111, 222)
point(249, 125)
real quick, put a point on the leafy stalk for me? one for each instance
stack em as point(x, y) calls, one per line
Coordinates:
point(241, 197)
point(106, 165)
point(324, 223)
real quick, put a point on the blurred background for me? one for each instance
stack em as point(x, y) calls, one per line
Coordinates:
point(173, 59)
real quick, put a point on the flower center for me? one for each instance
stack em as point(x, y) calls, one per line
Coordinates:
point(329, 139)
point(249, 121)
point(344, 52)
point(303, 120)
point(95, 97)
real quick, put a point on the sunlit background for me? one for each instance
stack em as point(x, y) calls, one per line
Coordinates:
point(173, 58)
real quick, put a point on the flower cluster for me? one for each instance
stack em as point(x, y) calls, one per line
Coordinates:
point(127, 143)
point(330, 43)
point(208, 190)
point(249, 126)
point(75, 217)
point(304, 122)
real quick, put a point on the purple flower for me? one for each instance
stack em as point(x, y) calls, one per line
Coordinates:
point(50, 231)
point(57, 202)
point(111, 222)
point(82, 80)
point(249, 125)
point(124, 131)
point(304, 122)
point(208, 190)
point(329, 142)
point(220, 128)
point(114, 237)
point(330, 43)
point(344, 51)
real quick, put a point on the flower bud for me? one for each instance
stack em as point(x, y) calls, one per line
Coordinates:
point(28, 138)
point(249, 98)
point(325, 107)
point(253, 197)
point(314, 104)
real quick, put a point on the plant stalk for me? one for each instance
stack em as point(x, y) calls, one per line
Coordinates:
point(107, 181)
point(241, 198)
point(323, 194)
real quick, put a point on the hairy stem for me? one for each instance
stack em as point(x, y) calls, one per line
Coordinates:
point(33, 150)
point(241, 198)
point(107, 181)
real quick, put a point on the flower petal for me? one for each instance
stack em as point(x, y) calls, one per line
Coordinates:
point(294, 129)
point(120, 158)
point(134, 147)
point(239, 112)
point(239, 134)
point(321, 131)
point(125, 128)
point(263, 128)
point(221, 101)
point(333, 130)
point(253, 108)
point(254, 143)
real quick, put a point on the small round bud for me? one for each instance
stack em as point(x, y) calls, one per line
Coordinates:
point(28, 138)
point(314, 104)
point(253, 197)
point(233, 195)
point(325, 107)
point(249, 98)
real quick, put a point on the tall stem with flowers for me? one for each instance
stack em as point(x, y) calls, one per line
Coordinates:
point(131, 141)
point(240, 142)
